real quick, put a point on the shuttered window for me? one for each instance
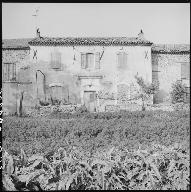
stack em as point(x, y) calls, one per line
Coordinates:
point(155, 75)
point(90, 60)
point(9, 72)
point(56, 92)
point(122, 60)
point(83, 60)
point(97, 60)
point(56, 60)
point(185, 71)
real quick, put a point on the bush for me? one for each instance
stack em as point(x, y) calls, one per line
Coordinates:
point(178, 92)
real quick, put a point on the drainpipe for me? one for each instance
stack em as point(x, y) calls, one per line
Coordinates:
point(43, 83)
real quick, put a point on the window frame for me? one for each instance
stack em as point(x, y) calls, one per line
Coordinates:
point(119, 66)
point(54, 91)
point(14, 73)
point(52, 56)
point(94, 60)
point(185, 64)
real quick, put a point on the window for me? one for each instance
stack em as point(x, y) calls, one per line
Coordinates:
point(155, 72)
point(56, 60)
point(56, 92)
point(9, 72)
point(185, 78)
point(122, 60)
point(90, 60)
point(185, 71)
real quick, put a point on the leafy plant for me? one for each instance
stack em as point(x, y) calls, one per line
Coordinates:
point(156, 167)
point(178, 92)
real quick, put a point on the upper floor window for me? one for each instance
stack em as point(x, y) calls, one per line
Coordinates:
point(90, 60)
point(185, 71)
point(56, 60)
point(9, 71)
point(122, 60)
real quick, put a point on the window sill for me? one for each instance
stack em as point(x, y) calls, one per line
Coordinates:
point(30, 82)
point(9, 82)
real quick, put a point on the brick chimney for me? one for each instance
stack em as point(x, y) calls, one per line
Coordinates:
point(141, 35)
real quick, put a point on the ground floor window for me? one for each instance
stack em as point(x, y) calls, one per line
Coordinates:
point(9, 71)
point(56, 94)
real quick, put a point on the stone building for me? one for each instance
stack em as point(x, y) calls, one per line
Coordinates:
point(170, 63)
point(96, 72)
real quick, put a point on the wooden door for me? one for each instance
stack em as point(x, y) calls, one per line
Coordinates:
point(90, 100)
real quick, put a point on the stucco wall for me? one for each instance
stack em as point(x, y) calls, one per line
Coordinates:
point(169, 67)
point(31, 80)
point(112, 75)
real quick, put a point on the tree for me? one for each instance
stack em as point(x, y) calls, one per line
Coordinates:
point(146, 89)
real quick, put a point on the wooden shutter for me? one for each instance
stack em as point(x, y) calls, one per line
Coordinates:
point(5, 72)
point(52, 60)
point(83, 60)
point(97, 60)
point(89, 60)
point(119, 59)
point(12, 71)
point(56, 60)
point(124, 60)
point(185, 71)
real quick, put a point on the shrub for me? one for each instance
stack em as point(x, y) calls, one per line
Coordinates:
point(178, 92)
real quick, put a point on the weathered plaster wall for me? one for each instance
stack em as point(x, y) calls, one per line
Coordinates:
point(31, 80)
point(169, 67)
point(137, 62)
point(12, 90)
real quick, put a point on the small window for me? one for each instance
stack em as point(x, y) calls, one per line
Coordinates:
point(56, 92)
point(185, 71)
point(90, 61)
point(56, 60)
point(155, 75)
point(122, 60)
point(9, 72)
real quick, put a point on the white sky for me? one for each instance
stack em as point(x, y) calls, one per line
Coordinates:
point(161, 23)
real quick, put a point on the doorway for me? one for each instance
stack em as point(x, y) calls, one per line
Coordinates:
point(90, 100)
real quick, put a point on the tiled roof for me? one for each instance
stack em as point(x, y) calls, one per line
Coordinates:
point(88, 41)
point(171, 48)
point(16, 43)
point(103, 41)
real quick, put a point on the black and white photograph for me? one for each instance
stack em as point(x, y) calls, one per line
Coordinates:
point(95, 96)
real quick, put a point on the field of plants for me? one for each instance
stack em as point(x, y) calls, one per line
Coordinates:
point(125, 150)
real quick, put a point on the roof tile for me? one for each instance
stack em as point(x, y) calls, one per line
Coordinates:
point(88, 41)
point(171, 48)
point(16, 43)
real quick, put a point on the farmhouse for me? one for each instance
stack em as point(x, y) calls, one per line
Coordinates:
point(92, 71)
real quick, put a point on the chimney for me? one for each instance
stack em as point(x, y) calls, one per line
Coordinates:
point(141, 35)
point(38, 33)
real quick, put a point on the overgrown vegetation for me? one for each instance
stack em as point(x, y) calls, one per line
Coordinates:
point(93, 131)
point(153, 168)
point(178, 93)
point(97, 151)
